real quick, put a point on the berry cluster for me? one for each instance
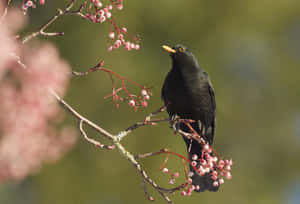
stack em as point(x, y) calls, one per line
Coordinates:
point(214, 166)
point(30, 4)
point(209, 164)
point(99, 13)
point(140, 100)
point(173, 176)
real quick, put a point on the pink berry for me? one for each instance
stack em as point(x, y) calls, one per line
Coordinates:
point(98, 3)
point(171, 181)
point(195, 157)
point(183, 193)
point(144, 92)
point(124, 30)
point(42, 2)
point(110, 48)
point(215, 183)
point(214, 173)
point(221, 181)
point(194, 163)
point(102, 19)
point(151, 198)
point(117, 43)
point(105, 10)
point(121, 36)
point(137, 47)
point(207, 170)
point(108, 14)
point(120, 6)
point(111, 35)
point(127, 46)
point(144, 104)
point(221, 163)
point(197, 187)
point(228, 175)
point(214, 177)
point(29, 4)
point(228, 168)
point(110, 7)
point(206, 147)
point(203, 162)
point(101, 12)
point(132, 103)
point(132, 45)
point(176, 175)
point(165, 170)
point(214, 159)
point(189, 180)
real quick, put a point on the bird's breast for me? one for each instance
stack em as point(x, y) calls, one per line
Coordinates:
point(187, 96)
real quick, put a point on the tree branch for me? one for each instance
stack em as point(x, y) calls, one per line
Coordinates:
point(116, 142)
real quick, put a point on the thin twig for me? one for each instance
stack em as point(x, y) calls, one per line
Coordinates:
point(59, 13)
point(90, 140)
point(80, 117)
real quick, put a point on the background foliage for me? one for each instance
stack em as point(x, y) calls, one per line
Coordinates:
point(251, 50)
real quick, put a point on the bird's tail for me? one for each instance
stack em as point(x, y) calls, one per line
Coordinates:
point(205, 182)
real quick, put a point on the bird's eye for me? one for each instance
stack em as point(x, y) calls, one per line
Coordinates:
point(181, 49)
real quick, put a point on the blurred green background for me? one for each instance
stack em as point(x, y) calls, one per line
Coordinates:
point(251, 50)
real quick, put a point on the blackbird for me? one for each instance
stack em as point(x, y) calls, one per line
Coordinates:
point(188, 94)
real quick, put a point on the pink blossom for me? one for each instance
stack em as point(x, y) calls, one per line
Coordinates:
point(27, 109)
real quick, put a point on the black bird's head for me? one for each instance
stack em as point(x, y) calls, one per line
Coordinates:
point(182, 56)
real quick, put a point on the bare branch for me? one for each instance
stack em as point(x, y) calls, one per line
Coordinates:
point(59, 13)
point(116, 142)
point(80, 117)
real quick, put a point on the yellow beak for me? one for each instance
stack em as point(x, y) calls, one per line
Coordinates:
point(169, 49)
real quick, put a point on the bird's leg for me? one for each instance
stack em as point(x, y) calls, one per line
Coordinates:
point(174, 122)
